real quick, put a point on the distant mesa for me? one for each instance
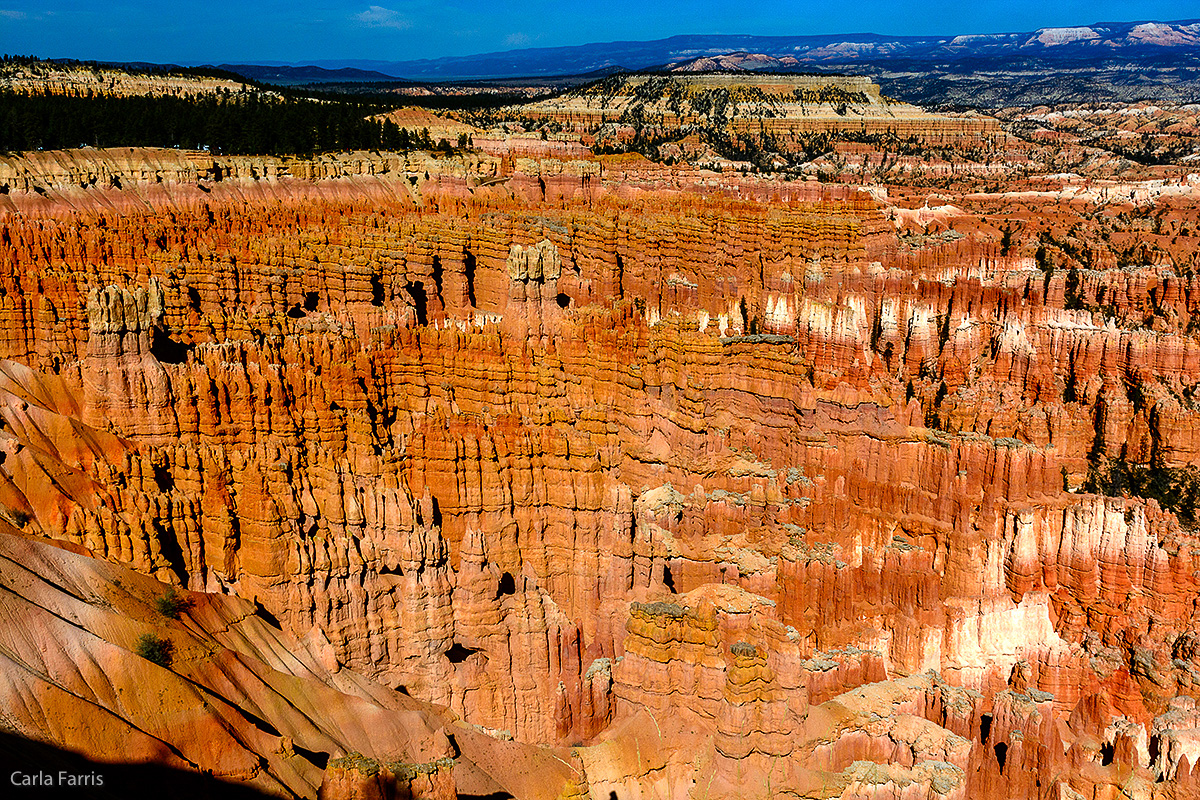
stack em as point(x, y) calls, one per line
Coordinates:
point(735, 61)
point(978, 70)
point(1101, 39)
point(290, 75)
point(765, 106)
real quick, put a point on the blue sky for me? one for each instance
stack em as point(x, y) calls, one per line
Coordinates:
point(216, 31)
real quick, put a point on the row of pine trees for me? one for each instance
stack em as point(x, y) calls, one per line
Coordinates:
point(230, 124)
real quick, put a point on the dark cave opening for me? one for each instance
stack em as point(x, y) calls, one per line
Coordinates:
point(458, 654)
point(376, 291)
point(668, 579)
point(469, 274)
point(416, 290)
point(173, 553)
point(163, 478)
point(169, 351)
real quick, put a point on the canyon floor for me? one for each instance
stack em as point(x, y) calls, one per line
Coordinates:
point(594, 458)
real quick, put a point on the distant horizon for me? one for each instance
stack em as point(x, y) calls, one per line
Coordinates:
point(327, 62)
point(324, 32)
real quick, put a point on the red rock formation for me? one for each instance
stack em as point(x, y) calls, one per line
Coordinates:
point(720, 482)
point(235, 697)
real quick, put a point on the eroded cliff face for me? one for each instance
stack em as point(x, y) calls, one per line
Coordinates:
point(776, 110)
point(704, 486)
point(61, 78)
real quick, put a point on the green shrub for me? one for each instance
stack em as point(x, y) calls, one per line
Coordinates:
point(171, 603)
point(153, 648)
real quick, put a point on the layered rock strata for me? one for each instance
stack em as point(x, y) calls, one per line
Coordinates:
point(717, 490)
point(764, 108)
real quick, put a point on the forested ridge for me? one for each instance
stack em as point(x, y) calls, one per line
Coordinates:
point(231, 123)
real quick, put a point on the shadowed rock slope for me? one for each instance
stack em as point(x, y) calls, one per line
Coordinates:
point(234, 698)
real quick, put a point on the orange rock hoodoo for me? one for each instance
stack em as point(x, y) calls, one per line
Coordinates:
point(698, 484)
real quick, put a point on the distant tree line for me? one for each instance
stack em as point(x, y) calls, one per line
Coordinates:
point(224, 123)
point(468, 99)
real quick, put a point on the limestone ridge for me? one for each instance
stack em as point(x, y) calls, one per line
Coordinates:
point(775, 107)
point(145, 170)
point(64, 78)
